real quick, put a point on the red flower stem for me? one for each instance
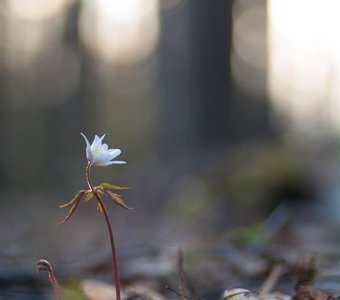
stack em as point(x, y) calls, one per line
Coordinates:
point(44, 265)
point(55, 284)
point(109, 227)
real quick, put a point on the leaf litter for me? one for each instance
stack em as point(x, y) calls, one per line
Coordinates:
point(305, 273)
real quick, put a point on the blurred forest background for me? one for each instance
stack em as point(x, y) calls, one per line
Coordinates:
point(227, 112)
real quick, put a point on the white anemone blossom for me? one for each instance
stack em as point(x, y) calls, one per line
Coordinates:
point(99, 154)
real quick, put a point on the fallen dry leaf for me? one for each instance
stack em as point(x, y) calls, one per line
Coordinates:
point(96, 290)
point(309, 293)
point(142, 292)
point(244, 294)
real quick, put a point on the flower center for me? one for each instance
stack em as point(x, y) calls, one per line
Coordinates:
point(97, 151)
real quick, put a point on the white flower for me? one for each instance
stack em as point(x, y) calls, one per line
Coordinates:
point(99, 154)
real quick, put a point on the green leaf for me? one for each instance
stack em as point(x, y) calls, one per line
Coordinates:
point(118, 200)
point(75, 201)
point(108, 186)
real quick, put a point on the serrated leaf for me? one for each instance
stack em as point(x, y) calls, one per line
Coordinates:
point(75, 199)
point(109, 186)
point(88, 197)
point(117, 199)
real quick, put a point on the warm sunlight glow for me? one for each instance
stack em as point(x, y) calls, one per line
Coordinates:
point(121, 32)
point(304, 62)
point(34, 53)
point(29, 25)
point(37, 10)
point(249, 56)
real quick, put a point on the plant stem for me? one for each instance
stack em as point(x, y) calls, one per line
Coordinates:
point(109, 227)
point(44, 265)
point(55, 285)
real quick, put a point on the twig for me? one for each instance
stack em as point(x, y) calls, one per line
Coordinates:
point(178, 293)
point(272, 279)
point(183, 276)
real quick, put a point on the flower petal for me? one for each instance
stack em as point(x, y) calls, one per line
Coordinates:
point(97, 141)
point(119, 162)
point(89, 154)
point(104, 163)
point(113, 153)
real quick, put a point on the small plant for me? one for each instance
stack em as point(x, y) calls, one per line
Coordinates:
point(99, 154)
point(44, 265)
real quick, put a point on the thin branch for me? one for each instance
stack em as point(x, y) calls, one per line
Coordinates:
point(183, 278)
point(272, 279)
point(180, 294)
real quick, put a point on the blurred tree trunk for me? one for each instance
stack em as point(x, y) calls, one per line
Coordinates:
point(176, 73)
point(195, 75)
point(212, 29)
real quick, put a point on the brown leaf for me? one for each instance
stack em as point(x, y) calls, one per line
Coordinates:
point(100, 208)
point(96, 290)
point(309, 293)
point(74, 204)
point(137, 291)
point(75, 199)
point(88, 197)
point(307, 271)
point(117, 199)
point(108, 186)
